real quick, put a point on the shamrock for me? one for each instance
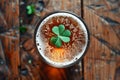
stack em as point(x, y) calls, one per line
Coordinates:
point(30, 9)
point(61, 35)
point(22, 29)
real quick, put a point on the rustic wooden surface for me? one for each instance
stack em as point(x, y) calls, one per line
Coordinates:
point(21, 61)
point(38, 70)
point(9, 39)
point(102, 60)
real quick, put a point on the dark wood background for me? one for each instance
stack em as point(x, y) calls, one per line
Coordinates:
point(19, 59)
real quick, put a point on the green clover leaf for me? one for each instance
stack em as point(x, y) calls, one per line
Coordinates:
point(61, 35)
point(22, 29)
point(30, 9)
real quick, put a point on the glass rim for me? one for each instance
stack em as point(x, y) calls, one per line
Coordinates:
point(87, 44)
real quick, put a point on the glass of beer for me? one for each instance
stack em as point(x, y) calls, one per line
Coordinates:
point(61, 39)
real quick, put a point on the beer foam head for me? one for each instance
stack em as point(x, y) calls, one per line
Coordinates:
point(41, 46)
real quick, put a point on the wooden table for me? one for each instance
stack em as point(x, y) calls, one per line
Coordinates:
point(19, 59)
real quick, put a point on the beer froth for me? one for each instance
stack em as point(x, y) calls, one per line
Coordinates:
point(69, 52)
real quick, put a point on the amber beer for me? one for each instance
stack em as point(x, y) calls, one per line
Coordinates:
point(66, 50)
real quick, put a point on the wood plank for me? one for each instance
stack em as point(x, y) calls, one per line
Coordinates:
point(3, 67)
point(102, 58)
point(9, 12)
point(11, 50)
point(9, 36)
point(99, 69)
point(38, 70)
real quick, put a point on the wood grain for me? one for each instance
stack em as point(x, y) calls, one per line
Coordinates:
point(19, 59)
point(9, 36)
point(101, 60)
point(38, 70)
point(11, 52)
